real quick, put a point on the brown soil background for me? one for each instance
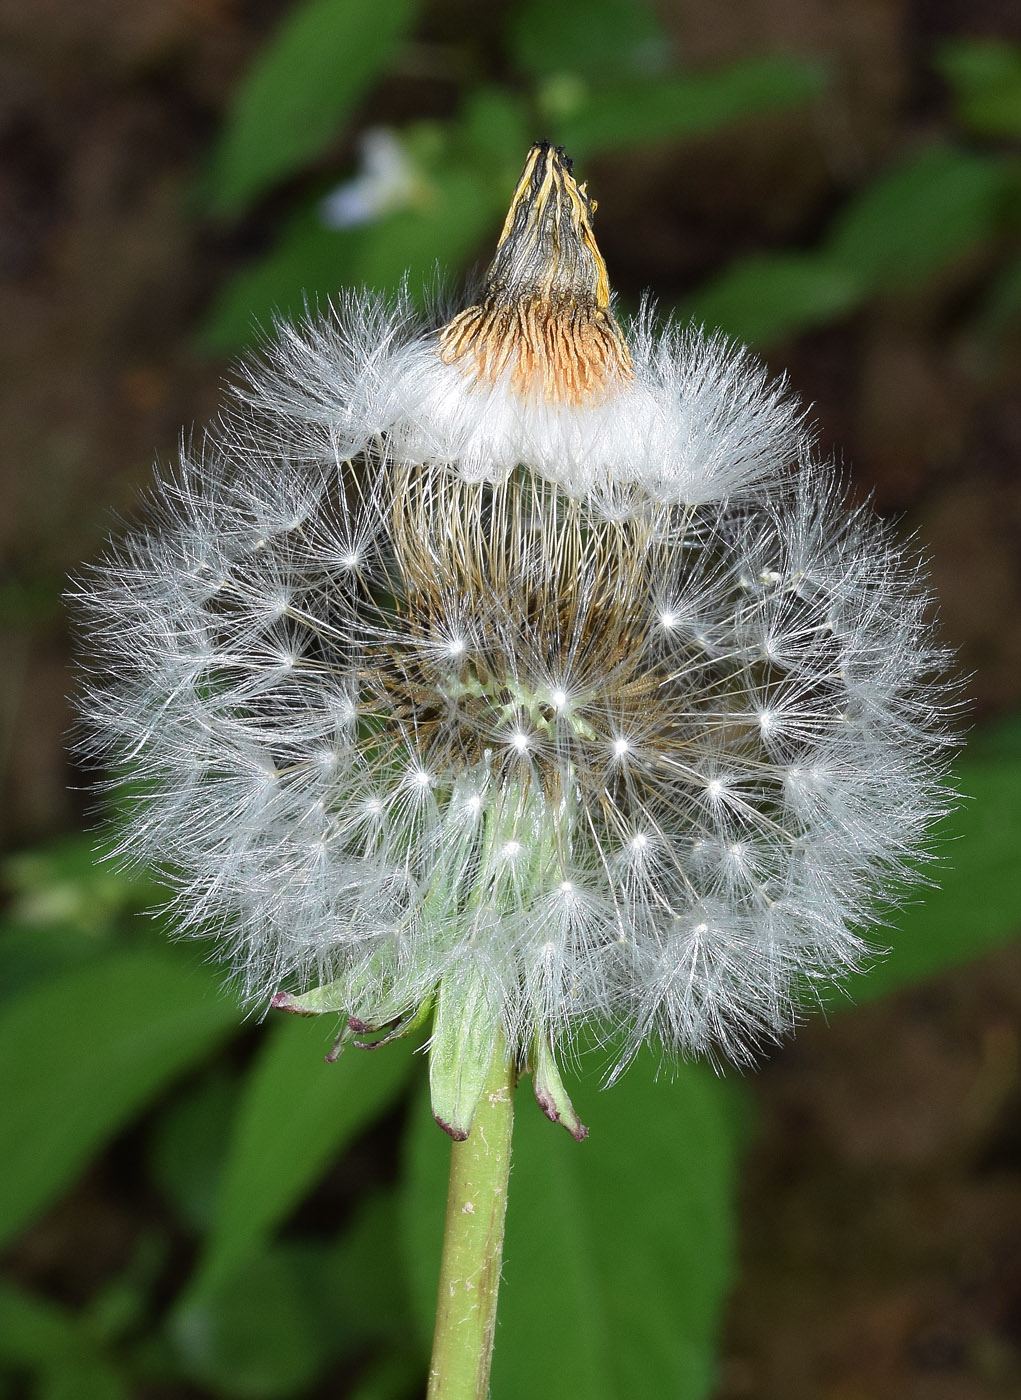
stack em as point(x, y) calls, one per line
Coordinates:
point(882, 1210)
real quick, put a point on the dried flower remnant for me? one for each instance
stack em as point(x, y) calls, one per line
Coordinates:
point(520, 674)
point(545, 320)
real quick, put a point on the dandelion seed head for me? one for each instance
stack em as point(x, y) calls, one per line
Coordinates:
point(450, 658)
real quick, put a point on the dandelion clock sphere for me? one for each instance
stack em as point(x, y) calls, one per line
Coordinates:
point(519, 674)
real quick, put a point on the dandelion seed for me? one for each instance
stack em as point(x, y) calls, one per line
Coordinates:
point(482, 540)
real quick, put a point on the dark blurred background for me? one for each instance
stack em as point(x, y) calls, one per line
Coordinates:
point(880, 1231)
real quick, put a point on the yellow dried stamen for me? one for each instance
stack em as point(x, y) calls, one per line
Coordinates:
point(545, 316)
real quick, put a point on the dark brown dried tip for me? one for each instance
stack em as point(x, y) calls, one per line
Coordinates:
point(284, 1001)
point(458, 1134)
point(570, 1121)
point(545, 315)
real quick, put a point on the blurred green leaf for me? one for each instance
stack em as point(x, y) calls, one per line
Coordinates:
point(1002, 303)
point(391, 1377)
point(368, 1288)
point(82, 1378)
point(188, 1144)
point(978, 905)
point(295, 1115)
point(763, 300)
point(466, 186)
point(39, 1337)
point(71, 882)
point(986, 77)
point(81, 1054)
point(619, 1250)
point(121, 1303)
point(639, 112)
point(585, 36)
point(255, 1336)
point(32, 1330)
point(300, 90)
point(901, 229)
point(917, 218)
point(31, 954)
point(350, 1296)
point(65, 905)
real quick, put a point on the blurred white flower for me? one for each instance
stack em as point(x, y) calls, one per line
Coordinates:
point(526, 672)
point(388, 180)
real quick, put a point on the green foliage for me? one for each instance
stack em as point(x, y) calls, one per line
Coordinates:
point(296, 1113)
point(188, 1145)
point(257, 1334)
point(985, 75)
point(299, 91)
point(918, 217)
point(593, 37)
point(273, 1326)
point(899, 232)
point(767, 298)
point(85, 1052)
point(63, 906)
point(646, 112)
point(81, 1378)
point(1002, 304)
point(68, 1353)
point(32, 1332)
point(619, 1251)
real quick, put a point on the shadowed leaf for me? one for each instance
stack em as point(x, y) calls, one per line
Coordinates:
point(297, 1112)
point(81, 1054)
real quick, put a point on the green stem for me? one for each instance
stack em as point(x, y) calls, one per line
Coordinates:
point(473, 1243)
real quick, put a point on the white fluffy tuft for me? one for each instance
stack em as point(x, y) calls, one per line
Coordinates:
point(700, 421)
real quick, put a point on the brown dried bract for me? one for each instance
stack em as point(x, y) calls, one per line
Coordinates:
point(546, 311)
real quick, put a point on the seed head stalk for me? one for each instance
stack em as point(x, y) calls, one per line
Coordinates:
point(473, 1243)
